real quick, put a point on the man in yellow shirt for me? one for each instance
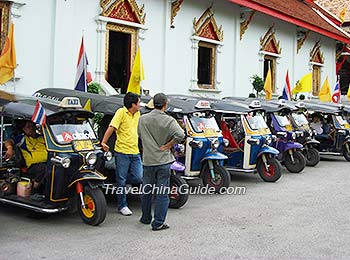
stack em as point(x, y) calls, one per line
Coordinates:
point(127, 155)
point(33, 149)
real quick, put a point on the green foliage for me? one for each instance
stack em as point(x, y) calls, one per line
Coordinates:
point(97, 120)
point(94, 87)
point(258, 84)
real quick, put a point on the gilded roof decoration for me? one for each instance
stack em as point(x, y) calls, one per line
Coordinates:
point(316, 54)
point(175, 8)
point(206, 26)
point(127, 10)
point(269, 43)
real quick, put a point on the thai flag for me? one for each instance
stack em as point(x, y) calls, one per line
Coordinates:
point(83, 76)
point(336, 93)
point(39, 115)
point(286, 94)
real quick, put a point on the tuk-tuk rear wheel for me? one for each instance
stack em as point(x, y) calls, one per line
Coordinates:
point(222, 177)
point(312, 156)
point(95, 213)
point(274, 170)
point(177, 200)
point(346, 153)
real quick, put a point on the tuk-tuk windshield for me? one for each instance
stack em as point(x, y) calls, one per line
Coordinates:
point(256, 121)
point(341, 121)
point(282, 120)
point(65, 133)
point(300, 119)
point(200, 124)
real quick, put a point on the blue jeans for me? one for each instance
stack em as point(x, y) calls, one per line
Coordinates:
point(128, 169)
point(155, 176)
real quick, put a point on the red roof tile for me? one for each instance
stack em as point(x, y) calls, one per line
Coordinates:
point(298, 12)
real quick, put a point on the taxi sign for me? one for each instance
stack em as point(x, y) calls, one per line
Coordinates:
point(70, 102)
point(282, 102)
point(300, 104)
point(203, 104)
point(255, 104)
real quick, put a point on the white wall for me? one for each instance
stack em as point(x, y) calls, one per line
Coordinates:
point(48, 35)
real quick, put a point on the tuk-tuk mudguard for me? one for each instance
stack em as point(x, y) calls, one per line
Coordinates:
point(87, 175)
point(214, 156)
point(285, 146)
point(268, 150)
point(312, 142)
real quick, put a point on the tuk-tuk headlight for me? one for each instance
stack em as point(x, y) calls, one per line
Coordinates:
point(274, 138)
point(91, 158)
point(268, 139)
point(64, 161)
point(196, 144)
point(108, 155)
point(215, 143)
point(181, 148)
point(226, 142)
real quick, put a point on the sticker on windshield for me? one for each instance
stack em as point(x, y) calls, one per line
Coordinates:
point(201, 126)
point(67, 137)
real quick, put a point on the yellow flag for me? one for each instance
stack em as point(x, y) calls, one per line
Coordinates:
point(325, 92)
point(348, 94)
point(304, 84)
point(88, 105)
point(137, 74)
point(268, 85)
point(8, 58)
point(342, 15)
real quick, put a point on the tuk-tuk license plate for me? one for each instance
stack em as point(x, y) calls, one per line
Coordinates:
point(83, 145)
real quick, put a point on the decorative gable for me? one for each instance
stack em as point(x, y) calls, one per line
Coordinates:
point(126, 10)
point(316, 54)
point(269, 43)
point(206, 26)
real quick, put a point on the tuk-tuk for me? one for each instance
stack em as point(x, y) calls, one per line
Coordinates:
point(199, 152)
point(249, 138)
point(105, 107)
point(291, 155)
point(305, 135)
point(74, 158)
point(335, 138)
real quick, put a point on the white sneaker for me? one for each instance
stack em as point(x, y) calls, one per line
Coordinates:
point(125, 211)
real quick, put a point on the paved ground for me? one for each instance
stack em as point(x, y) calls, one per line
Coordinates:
point(302, 216)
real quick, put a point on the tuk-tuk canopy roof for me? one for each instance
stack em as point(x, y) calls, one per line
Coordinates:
point(278, 105)
point(98, 103)
point(183, 104)
point(24, 108)
point(322, 107)
point(6, 97)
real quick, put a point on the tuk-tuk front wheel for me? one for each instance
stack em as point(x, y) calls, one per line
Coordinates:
point(94, 212)
point(346, 151)
point(312, 156)
point(222, 177)
point(179, 194)
point(297, 164)
point(271, 171)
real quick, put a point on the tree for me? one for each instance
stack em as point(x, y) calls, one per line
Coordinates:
point(258, 84)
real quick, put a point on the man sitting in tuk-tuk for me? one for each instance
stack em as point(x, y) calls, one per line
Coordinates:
point(33, 150)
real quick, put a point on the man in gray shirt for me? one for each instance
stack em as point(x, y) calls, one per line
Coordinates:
point(158, 132)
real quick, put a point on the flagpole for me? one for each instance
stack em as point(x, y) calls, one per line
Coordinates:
point(14, 80)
